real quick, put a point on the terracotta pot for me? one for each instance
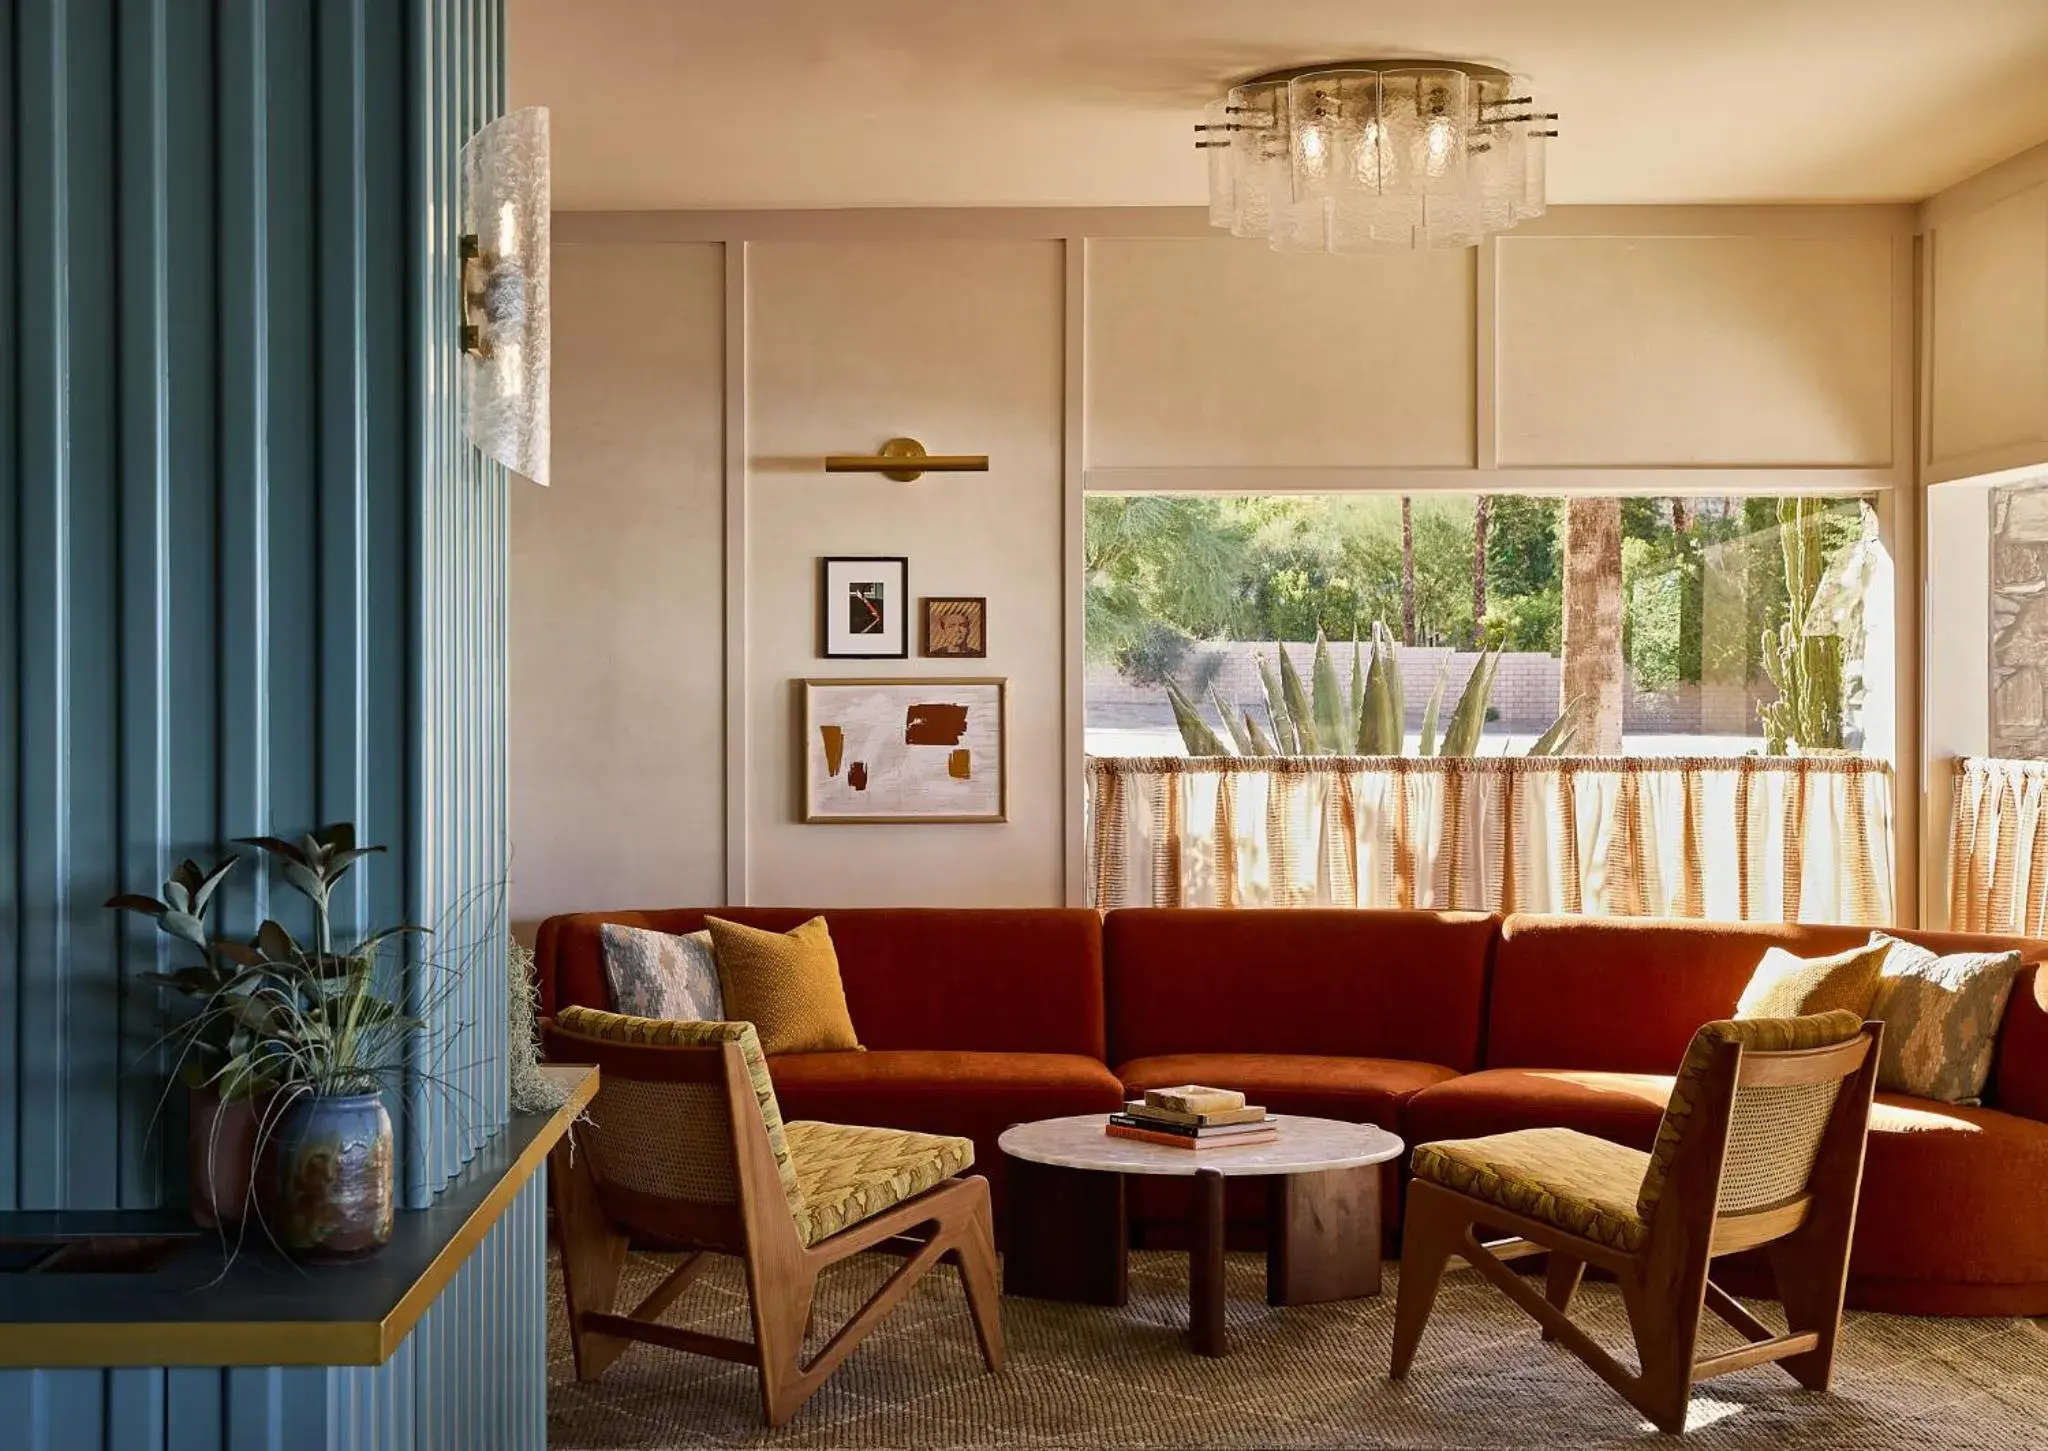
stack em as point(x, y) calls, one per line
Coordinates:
point(332, 1184)
point(220, 1144)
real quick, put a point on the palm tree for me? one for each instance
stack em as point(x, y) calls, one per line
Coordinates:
point(1407, 570)
point(1593, 679)
point(1482, 516)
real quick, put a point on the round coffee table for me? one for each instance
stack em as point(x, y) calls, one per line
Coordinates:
point(1066, 1224)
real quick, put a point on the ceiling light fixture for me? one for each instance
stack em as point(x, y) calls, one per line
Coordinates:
point(1376, 156)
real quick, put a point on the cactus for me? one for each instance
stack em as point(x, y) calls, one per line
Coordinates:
point(1806, 668)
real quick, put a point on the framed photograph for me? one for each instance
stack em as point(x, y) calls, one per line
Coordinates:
point(865, 607)
point(955, 628)
point(892, 750)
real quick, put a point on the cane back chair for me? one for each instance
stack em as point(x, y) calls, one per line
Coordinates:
point(685, 1148)
point(1761, 1146)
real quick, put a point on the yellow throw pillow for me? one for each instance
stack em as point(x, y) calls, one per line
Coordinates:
point(1784, 986)
point(786, 984)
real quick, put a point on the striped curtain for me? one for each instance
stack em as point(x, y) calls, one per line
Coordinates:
point(1998, 847)
point(1745, 838)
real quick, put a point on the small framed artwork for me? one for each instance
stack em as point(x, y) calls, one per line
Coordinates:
point(955, 628)
point(892, 750)
point(865, 607)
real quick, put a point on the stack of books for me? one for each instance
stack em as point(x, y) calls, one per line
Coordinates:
point(1193, 1117)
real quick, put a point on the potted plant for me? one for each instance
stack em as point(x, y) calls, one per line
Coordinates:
point(307, 1034)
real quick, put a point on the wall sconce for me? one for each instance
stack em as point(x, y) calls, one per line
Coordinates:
point(904, 460)
point(505, 201)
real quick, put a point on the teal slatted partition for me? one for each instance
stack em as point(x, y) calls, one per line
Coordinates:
point(254, 578)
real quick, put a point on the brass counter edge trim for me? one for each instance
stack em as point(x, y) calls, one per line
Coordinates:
point(70, 1345)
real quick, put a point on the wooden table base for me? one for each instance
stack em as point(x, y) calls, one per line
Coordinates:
point(1066, 1237)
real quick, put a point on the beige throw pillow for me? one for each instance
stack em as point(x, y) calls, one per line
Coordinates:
point(786, 984)
point(1785, 986)
point(662, 974)
point(1941, 1017)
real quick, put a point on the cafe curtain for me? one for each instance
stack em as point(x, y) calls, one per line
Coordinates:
point(1998, 847)
point(1747, 838)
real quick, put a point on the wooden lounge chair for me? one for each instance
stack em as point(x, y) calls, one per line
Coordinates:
point(1761, 1145)
point(685, 1148)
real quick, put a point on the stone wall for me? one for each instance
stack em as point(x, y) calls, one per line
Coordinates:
point(1526, 688)
point(2019, 621)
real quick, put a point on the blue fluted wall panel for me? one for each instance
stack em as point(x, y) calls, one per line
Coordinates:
point(254, 580)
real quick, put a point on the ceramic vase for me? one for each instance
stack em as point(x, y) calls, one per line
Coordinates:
point(332, 1179)
point(220, 1145)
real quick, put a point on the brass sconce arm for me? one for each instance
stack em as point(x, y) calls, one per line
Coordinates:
point(904, 459)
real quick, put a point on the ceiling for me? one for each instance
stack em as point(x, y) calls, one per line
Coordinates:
point(859, 103)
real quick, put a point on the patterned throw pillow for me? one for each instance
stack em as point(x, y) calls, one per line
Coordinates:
point(661, 975)
point(1941, 1017)
point(786, 984)
point(1785, 986)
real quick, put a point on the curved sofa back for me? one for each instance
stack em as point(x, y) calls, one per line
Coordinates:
point(1623, 995)
point(1025, 980)
point(1342, 982)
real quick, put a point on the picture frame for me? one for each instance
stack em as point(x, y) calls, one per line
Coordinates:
point(954, 627)
point(890, 750)
point(864, 607)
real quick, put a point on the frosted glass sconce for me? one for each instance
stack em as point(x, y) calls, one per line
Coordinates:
point(505, 291)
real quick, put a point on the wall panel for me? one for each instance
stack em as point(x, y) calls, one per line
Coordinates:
point(1742, 351)
point(1215, 351)
point(618, 622)
point(254, 580)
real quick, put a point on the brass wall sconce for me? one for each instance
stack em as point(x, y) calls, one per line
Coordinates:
point(904, 459)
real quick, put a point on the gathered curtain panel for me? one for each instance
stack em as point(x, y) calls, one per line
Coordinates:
point(1998, 847)
point(1742, 838)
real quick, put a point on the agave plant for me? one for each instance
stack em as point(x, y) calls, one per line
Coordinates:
point(1322, 719)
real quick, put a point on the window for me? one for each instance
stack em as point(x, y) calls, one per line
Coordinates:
point(1716, 626)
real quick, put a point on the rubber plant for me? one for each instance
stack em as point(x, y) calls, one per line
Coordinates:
point(306, 1034)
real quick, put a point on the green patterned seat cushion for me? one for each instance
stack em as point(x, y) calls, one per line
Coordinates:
point(673, 1033)
point(848, 1174)
point(1560, 1177)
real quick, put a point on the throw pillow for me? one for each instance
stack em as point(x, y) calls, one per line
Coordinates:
point(661, 975)
point(1785, 986)
point(786, 984)
point(1941, 1017)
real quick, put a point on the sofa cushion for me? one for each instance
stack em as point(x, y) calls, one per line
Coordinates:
point(1950, 1194)
point(1625, 994)
point(1330, 982)
point(968, 1095)
point(1357, 1090)
point(786, 984)
point(1000, 980)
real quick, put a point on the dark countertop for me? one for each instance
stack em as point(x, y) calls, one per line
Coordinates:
point(265, 1310)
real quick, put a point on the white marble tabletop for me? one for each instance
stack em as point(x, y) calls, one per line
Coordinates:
point(1305, 1146)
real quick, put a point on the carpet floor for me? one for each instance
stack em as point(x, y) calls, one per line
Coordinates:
point(1311, 1376)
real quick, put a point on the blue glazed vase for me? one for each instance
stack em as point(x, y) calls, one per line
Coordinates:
point(333, 1177)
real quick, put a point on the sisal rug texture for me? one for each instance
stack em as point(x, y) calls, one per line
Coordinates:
point(1310, 1376)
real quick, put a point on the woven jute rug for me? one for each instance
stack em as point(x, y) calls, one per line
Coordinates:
point(1081, 1377)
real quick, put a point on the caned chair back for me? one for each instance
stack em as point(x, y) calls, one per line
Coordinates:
point(1751, 1107)
point(676, 1106)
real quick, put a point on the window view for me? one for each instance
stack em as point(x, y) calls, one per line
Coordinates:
point(1509, 623)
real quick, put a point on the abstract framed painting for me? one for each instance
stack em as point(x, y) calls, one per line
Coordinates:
point(864, 606)
point(902, 751)
point(955, 627)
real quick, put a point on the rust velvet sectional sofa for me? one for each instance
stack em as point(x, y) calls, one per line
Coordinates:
point(1433, 1024)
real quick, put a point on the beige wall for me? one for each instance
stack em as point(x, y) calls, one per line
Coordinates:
point(957, 344)
point(616, 721)
point(1085, 350)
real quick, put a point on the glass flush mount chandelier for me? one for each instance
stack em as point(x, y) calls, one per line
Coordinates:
point(1376, 156)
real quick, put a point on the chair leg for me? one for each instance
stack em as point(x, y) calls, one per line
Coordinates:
point(975, 1255)
point(1812, 1278)
point(1432, 1230)
point(1666, 1327)
point(782, 1308)
point(593, 1257)
point(1561, 1278)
